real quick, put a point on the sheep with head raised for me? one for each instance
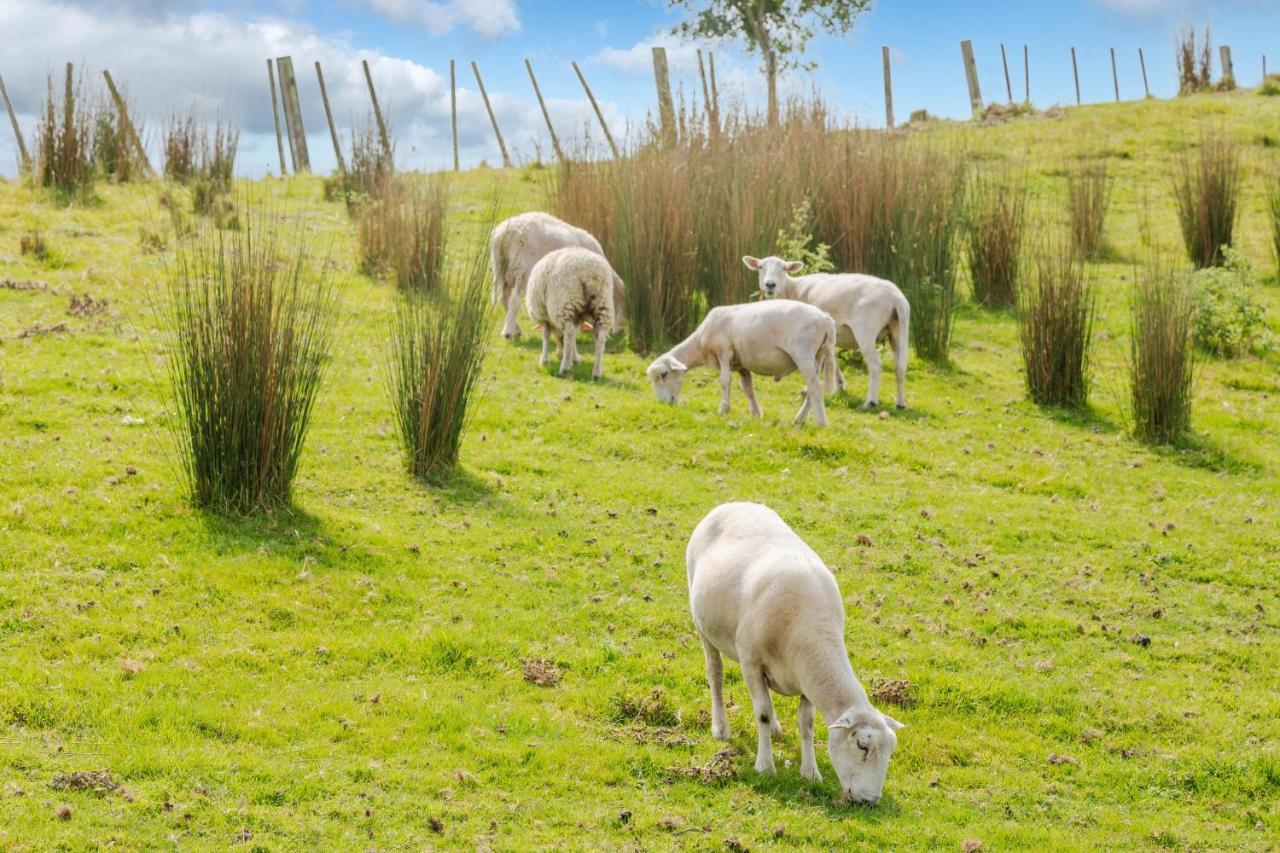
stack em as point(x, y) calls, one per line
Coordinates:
point(759, 595)
point(867, 310)
point(518, 243)
point(765, 338)
point(566, 288)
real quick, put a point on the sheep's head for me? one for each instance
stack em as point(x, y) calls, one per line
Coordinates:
point(773, 273)
point(860, 744)
point(666, 375)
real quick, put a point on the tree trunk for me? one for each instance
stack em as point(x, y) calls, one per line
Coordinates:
point(771, 77)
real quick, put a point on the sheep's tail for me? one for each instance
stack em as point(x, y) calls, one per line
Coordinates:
point(498, 251)
point(827, 364)
point(900, 330)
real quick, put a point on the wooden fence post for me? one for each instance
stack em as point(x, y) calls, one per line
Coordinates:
point(1142, 61)
point(1075, 71)
point(275, 115)
point(555, 141)
point(1115, 77)
point(1026, 72)
point(715, 93)
point(129, 130)
point(713, 121)
point(24, 159)
point(377, 113)
point(666, 109)
point(453, 110)
point(608, 137)
point(1228, 70)
point(502, 146)
point(1264, 66)
point(293, 116)
point(1008, 84)
point(971, 76)
point(888, 90)
point(328, 114)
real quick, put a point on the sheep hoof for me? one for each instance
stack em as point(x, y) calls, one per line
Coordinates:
point(720, 734)
point(901, 406)
point(811, 773)
point(776, 728)
point(762, 767)
point(869, 405)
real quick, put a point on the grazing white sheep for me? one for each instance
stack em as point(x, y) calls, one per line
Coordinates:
point(759, 595)
point(866, 310)
point(520, 242)
point(567, 287)
point(768, 338)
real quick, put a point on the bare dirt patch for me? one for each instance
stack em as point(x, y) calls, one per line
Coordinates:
point(718, 768)
point(541, 672)
point(86, 306)
point(894, 691)
point(85, 780)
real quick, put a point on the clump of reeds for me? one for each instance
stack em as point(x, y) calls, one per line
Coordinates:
point(113, 152)
point(64, 143)
point(1273, 215)
point(1206, 187)
point(402, 232)
point(1194, 61)
point(1088, 196)
point(1161, 356)
point(181, 148)
point(249, 324)
point(1056, 311)
point(32, 244)
point(197, 152)
point(996, 224)
point(369, 171)
point(435, 349)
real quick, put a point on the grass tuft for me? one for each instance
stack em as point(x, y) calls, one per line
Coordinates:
point(403, 232)
point(1161, 357)
point(64, 144)
point(996, 222)
point(1088, 195)
point(249, 329)
point(1206, 187)
point(1194, 61)
point(1055, 324)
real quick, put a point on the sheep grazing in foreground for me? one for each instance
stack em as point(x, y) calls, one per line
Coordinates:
point(567, 287)
point(759, 595)
point(520, 242)
point(768, 338)
point(867, 310)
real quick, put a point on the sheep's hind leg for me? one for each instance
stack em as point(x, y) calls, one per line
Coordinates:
point(749, 391)
point(715, 680)
point(601, 337)
point(875, 366)
point(808, 761)
point(812, 398)
point(546, 346)
point(569, 356)
point(762, 706)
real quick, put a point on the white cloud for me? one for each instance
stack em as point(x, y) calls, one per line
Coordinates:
point(489, 18)
point(1145, 8)
point(638, 59)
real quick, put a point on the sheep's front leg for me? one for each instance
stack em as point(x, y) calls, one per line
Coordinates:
point(715, 680)
point(726, 379)
point(762, 707)
point(602, 335)
point(546, 346)
point(808, 761)
point(569, 356)
point(749, 391)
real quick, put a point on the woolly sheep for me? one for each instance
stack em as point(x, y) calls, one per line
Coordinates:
point(768, 338)
point(520, 242)
point(567, 287)
point(759, 595)
point(866, 310)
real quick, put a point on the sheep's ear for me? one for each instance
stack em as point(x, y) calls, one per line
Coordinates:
point(845, 722)
point(794, 266)
point(752, 263)
point(892, 723)
point(677, 366)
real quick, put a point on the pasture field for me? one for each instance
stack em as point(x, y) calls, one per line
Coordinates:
point(1080, 632)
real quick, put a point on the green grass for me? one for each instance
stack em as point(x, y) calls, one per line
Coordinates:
point(349, 675)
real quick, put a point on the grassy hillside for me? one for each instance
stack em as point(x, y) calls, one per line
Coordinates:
point(352, 674)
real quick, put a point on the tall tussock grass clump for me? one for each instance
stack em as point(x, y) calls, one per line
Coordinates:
point(996, 223)
point(1161, 356)
point(249, 326)
point(1273, 216)
point(369, 171)
point(1206, 187)
point(113, 153)
point(1194, 61)
point(1088, 195)
point(194, 152)
point(64, 143)
point(1056, 310)
point(402, 233)
point(435, 349)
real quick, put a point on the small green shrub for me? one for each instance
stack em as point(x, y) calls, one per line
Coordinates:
point(1270, 85)
point(1228, 316)
point(796, 242)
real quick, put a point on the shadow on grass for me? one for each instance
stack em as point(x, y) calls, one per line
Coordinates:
point(1087, 417)
point(285, 526)
point(1201, 452)
point(458, 487)
point(788, 786)
point(581, 373)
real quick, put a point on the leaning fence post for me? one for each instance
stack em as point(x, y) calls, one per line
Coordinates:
point(888, 90)
point(1115, 78)
point(1228, 72)
point(129, 130)
point(275, 115)
point(712, 120)
point(715, 93)
point(608, 137)
point(666, 109)
point(1264, 66)
point(377, 112)
point(971, 75)
point(24, 158)
point(1075, 71)
point(1026, 72)
point(1008, 85)
point(328, 114)
point(293, 115)
point(555, 142)
point(1142, 60)
point(453, 110)
point(502, 146)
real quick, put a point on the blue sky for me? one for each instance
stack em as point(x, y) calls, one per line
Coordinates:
point(176, 53)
